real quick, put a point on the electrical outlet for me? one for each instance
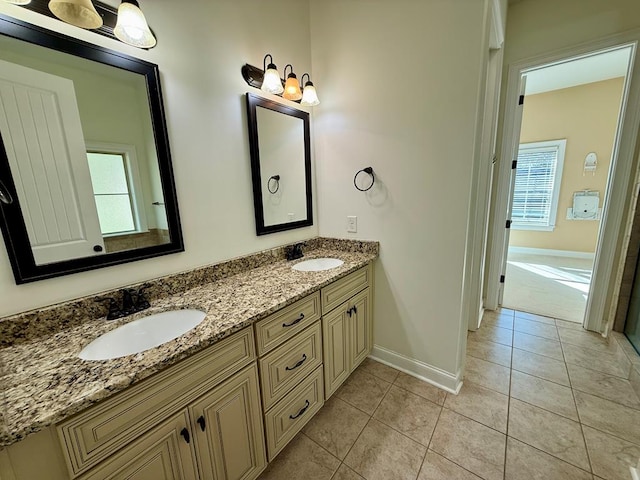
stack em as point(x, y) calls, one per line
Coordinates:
point(352, 224)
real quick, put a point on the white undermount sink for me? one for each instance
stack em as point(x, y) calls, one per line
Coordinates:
point(142, 334)
point(317, 264)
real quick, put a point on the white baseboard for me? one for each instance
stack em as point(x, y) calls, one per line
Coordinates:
point(553, 253)
point(428, 373)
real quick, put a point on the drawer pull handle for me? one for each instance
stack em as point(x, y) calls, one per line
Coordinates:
point(304, 409)
point(350, 311)
point(355, 309)
point(185, 434)
point(297, 320)
point(201, 422)
point(304, 358)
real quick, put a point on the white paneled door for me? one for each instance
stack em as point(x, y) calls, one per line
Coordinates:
point(42, 134)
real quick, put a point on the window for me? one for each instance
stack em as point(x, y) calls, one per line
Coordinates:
point(537, 185)
point(113, 178)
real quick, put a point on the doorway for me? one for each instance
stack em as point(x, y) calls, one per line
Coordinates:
point(567, 136)
point(590, 273)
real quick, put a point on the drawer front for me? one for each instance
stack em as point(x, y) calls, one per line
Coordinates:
point(345, 288)
point(283, 368)
point(98, 432)
point(293, 412)
point(285, 323)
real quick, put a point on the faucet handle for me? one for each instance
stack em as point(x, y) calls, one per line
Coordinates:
point(141, 301)
point(114, 309)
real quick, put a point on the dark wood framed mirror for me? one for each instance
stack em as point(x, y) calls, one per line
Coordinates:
point(85, 165)
point(280, 150)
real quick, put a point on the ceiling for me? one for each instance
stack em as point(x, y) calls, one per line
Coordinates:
point(594, 68)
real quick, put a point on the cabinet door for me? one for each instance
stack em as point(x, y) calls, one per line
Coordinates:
point(164, 453)
point(335, 331)
point(361, 327)
point(230, 435)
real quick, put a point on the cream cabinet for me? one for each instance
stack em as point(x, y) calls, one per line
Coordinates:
point(347, 330)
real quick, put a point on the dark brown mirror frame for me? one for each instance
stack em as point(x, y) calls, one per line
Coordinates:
point(12, 224)
point(254, 101)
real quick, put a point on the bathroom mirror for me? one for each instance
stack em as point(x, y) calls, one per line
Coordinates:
point(280, 165)
point(85, 167)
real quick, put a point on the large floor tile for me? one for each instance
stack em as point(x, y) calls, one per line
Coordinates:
point(363, 391)
point(540, 366)
point(596, 360)
point(302, 458)
point(381, 453)
point(379, 370)
point(408, 413)
point(470, 444)
point(610, 456)
point(551, 433)
point(488, 374)
point(493, 334)
point(489, 351)
point(421, 388)
point(436, 467)
point(544, 394)
point(610, 417)
point(527, 463)
point(587, 339)
point(481, 404)
point(503, 320)
point(535, 318)
point(539, 345)
point(536, 328)
point(603, 385)
point(569, 325)
point(345, 473)
point(336, 426)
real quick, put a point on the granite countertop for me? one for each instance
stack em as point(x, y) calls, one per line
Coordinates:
point(44, 382)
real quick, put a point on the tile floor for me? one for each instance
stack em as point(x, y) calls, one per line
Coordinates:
point(542, 399)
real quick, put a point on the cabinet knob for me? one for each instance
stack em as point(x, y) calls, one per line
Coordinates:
point(185, 434)
point(97, 248)
point(201, 422)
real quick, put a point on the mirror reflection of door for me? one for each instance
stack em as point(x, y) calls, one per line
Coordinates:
point(108, 165)
point(42, 134)
point(282, 154)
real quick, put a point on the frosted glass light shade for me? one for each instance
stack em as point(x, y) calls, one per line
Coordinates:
point(292, 88)
point(309, 96)
point(80, 13)
point(271, 82)
point(19, 2)
point(131, 27)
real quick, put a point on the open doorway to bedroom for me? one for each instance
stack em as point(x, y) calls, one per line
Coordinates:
point(567, 138)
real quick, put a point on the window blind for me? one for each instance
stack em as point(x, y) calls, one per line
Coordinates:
point(534, 187)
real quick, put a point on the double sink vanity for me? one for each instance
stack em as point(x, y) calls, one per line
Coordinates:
point(219, 401)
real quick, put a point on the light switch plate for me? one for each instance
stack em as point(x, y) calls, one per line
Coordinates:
point(352, 224)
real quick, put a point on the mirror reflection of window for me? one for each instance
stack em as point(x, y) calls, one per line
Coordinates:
point(110, 181)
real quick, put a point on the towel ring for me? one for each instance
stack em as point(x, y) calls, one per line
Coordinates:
point(368, 170)
point(276, 179)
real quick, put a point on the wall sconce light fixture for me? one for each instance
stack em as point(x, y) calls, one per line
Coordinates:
point(80, 13)
point(309, 94)
point(268, 80)
point(291, 86)
point(132, 27)
point(271, 81)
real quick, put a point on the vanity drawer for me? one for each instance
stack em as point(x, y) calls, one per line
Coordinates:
point(283, 368)
point(285, 323)
point(99, 431)
point(293, 412)
point(345, 288)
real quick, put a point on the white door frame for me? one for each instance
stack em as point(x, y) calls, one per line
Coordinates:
point(618, 185)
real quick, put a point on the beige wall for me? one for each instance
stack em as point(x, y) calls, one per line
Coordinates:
point(400, 83)
point(586, 116)
point(200, 52)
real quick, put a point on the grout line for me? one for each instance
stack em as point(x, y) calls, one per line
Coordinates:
point(551, 455)
point(506, 438)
